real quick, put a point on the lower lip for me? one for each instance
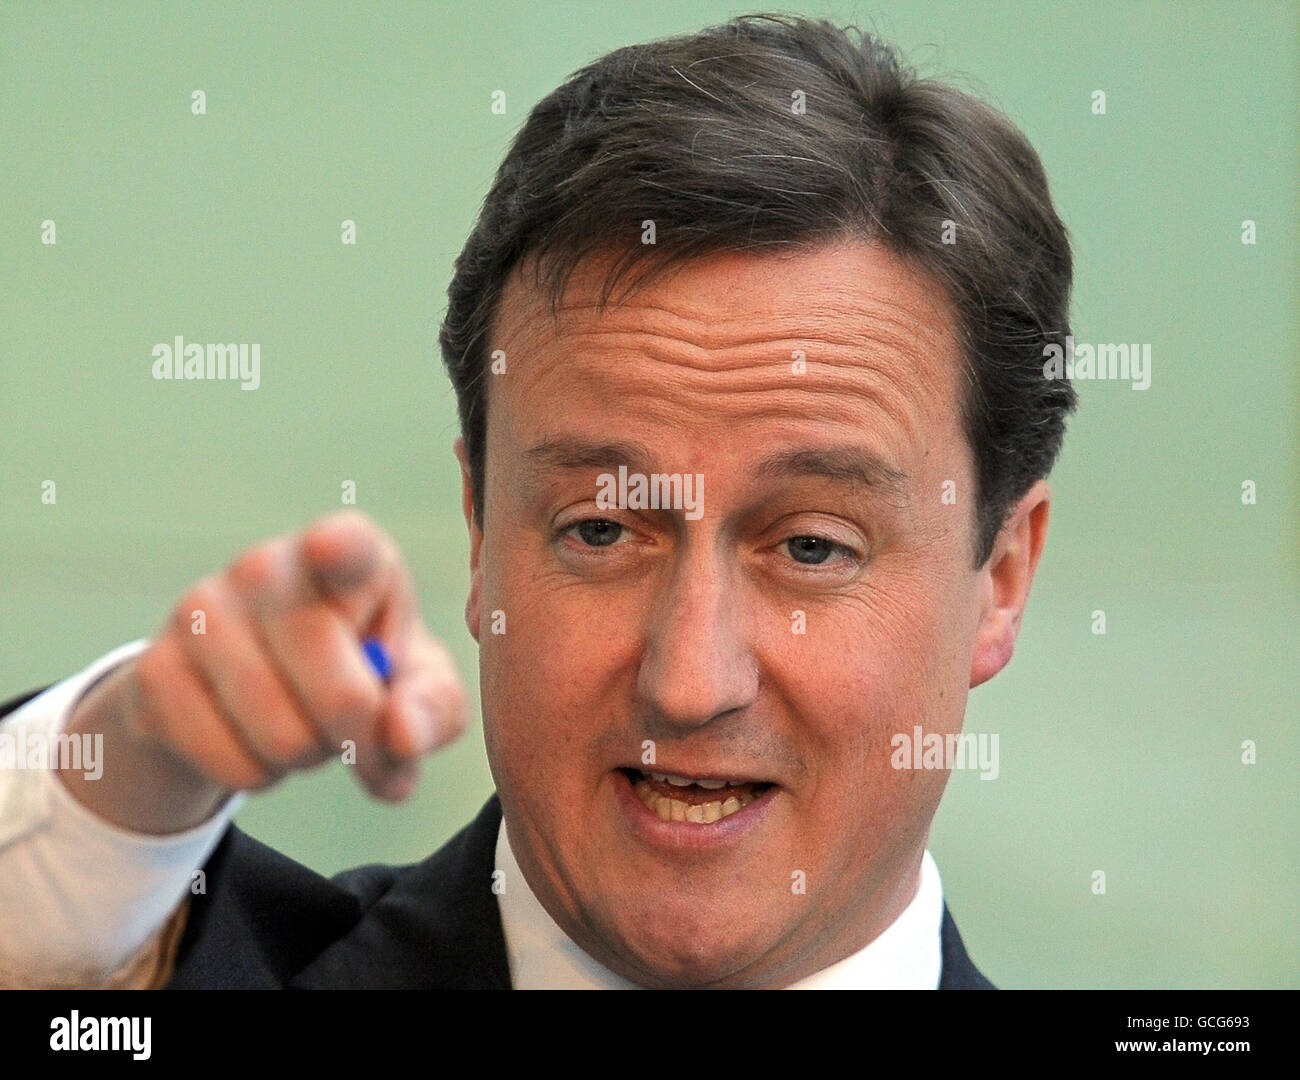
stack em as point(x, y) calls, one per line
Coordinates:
point(687, 836)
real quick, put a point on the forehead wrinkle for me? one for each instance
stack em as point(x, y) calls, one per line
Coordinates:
point(829, 389)
point(663, 368)
point(882, 342)
point(898, 308)
point(826, 393)
point(869, 325)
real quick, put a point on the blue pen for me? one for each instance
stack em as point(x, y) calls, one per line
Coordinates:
point(378, 657)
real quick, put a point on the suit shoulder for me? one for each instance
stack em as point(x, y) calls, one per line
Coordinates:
point(432, 925)
point(257, 916)
point(267, 921)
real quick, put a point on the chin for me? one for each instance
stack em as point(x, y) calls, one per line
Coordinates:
point(672, 949)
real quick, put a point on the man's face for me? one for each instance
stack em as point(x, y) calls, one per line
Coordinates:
point(822, 601)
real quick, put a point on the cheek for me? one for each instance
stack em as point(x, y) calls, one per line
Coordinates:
point(545, 677)
point(876, 668)
point(889, 660)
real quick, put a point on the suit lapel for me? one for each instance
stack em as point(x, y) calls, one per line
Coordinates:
point(958, 972)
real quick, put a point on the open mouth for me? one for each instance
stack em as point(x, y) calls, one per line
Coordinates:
point(693, 799)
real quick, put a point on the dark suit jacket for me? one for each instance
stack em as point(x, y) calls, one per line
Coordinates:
point(268, 922)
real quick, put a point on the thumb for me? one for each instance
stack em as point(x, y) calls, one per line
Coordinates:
point(426, 707)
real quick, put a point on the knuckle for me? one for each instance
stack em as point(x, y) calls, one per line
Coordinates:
point(286, 742)
point(348, 706)
point(390, 553)
point(152, 674)
point(245, 689)
point(202, 596)
point(348, 520)
point(459, 722)
point(345, 516)
point(254, 571)
point(234, 767)
point(452, 695)
point(247, 776)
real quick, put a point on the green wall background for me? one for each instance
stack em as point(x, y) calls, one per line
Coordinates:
point(1119, 752)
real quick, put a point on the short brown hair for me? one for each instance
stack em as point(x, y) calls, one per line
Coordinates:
point(698, 134)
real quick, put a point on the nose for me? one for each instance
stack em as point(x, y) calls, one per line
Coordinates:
point(698, 663)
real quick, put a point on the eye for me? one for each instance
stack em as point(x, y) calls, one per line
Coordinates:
point(597, 532)
point(815, 550)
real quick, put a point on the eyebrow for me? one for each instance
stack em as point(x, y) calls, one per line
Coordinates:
point(566, 452)
point(852, 466)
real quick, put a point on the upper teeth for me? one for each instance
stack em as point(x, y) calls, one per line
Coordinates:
point(683, 781)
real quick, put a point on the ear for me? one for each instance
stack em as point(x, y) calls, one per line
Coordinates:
point(1005, 580)
point(475, 540)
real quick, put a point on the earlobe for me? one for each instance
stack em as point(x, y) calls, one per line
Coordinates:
point(472, 605)
point(993, 648)
point(1005, 580)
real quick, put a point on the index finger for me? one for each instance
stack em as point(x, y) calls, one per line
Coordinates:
point(351, 563)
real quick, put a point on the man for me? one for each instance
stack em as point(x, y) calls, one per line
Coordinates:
point(747, 345)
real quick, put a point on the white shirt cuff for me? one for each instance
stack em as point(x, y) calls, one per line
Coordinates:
point(78, 895)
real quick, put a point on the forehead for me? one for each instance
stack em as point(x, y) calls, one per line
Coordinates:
point(843, 333)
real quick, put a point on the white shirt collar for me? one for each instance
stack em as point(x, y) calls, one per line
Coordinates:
point(908, 955)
